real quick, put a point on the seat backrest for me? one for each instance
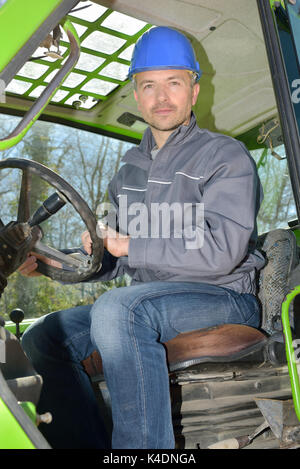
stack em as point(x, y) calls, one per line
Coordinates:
point(280, 250)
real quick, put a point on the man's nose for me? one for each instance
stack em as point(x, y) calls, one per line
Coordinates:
point(161, 94)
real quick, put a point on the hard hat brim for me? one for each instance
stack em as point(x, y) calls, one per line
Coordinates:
point(135, 71)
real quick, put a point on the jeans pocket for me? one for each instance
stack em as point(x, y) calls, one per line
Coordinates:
point(203, 310)
point(245, 310)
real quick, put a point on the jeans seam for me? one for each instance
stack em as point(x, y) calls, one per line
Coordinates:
point(70, 340)
point(168, 292)
point(132, 315)
point(254, 313)
point(243, 320)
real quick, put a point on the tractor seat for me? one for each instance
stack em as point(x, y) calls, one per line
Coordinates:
point(228, 342)
point(235, 342)
point(225, 343)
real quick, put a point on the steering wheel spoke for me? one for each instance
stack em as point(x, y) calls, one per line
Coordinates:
point(58, 256)
point(24, 198)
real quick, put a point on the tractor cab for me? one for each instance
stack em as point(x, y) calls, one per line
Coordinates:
point(68, 115)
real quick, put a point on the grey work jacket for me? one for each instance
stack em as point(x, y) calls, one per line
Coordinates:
point(195, 166)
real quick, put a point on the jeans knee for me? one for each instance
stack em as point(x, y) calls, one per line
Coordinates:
point(104, 315)
point(110, 320)
point(31, 339)
point(41, 338)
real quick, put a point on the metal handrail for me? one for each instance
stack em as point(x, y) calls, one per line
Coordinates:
point(290, 349)
point(35, 111)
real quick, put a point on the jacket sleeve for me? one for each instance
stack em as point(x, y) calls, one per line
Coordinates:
point(230, 200)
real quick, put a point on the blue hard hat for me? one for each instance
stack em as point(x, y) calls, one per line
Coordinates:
point(163, 48)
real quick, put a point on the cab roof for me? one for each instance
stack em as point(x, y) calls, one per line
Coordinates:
point(236, 88)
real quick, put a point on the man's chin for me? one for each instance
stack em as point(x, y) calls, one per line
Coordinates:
point(166, 126)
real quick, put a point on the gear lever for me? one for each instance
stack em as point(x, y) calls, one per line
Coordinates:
point(17, 315)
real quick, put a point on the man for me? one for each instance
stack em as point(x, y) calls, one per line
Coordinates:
point(193, 273)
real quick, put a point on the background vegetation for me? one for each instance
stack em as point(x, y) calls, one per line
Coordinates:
point(88, 162)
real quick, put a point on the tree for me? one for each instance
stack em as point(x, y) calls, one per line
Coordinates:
point(62, 149)
point(278, 206)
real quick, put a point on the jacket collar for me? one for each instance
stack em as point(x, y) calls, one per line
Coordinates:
point(141, 156)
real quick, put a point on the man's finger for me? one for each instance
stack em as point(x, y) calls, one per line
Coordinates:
point(28, 268)
point(87, 242)
point(48, 261)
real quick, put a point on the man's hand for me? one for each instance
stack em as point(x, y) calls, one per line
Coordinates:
point(116, 243)
point(87, 242)
point(28, 268)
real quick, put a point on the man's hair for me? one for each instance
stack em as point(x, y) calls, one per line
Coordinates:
point(193, 80)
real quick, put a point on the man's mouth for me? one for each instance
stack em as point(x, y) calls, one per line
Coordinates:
point(163, 111)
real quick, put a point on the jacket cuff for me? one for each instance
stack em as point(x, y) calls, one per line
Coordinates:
point(137, 252)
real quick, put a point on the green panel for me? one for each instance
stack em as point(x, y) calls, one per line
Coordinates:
point(297, 234)
point(107, 128)
point(19, 19)
point(290, 351)
point(272, 3)
point(11, 434)
point(11, 327)
point(249, 138)
point(29, 409)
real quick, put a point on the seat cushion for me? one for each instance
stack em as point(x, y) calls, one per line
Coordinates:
point(228, 342)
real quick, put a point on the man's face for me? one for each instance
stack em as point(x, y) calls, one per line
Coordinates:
point(165, 98)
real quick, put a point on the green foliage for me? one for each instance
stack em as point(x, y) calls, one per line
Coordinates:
point(88, 164)
point(40, 295)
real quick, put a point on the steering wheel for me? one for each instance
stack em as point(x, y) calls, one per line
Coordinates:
point(22, 236)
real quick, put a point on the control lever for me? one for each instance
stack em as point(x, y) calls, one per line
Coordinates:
point(17, 315)
point(51, 205)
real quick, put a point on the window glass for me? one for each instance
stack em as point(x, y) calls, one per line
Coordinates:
point(123, 23)
point(102, 42)
point(278, 206)
point(88, 11)
point(88, 164)
point(115, 70)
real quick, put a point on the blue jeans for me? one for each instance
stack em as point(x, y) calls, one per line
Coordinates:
point(128, 326)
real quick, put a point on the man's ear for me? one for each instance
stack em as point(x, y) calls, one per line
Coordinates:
point(196, 91)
